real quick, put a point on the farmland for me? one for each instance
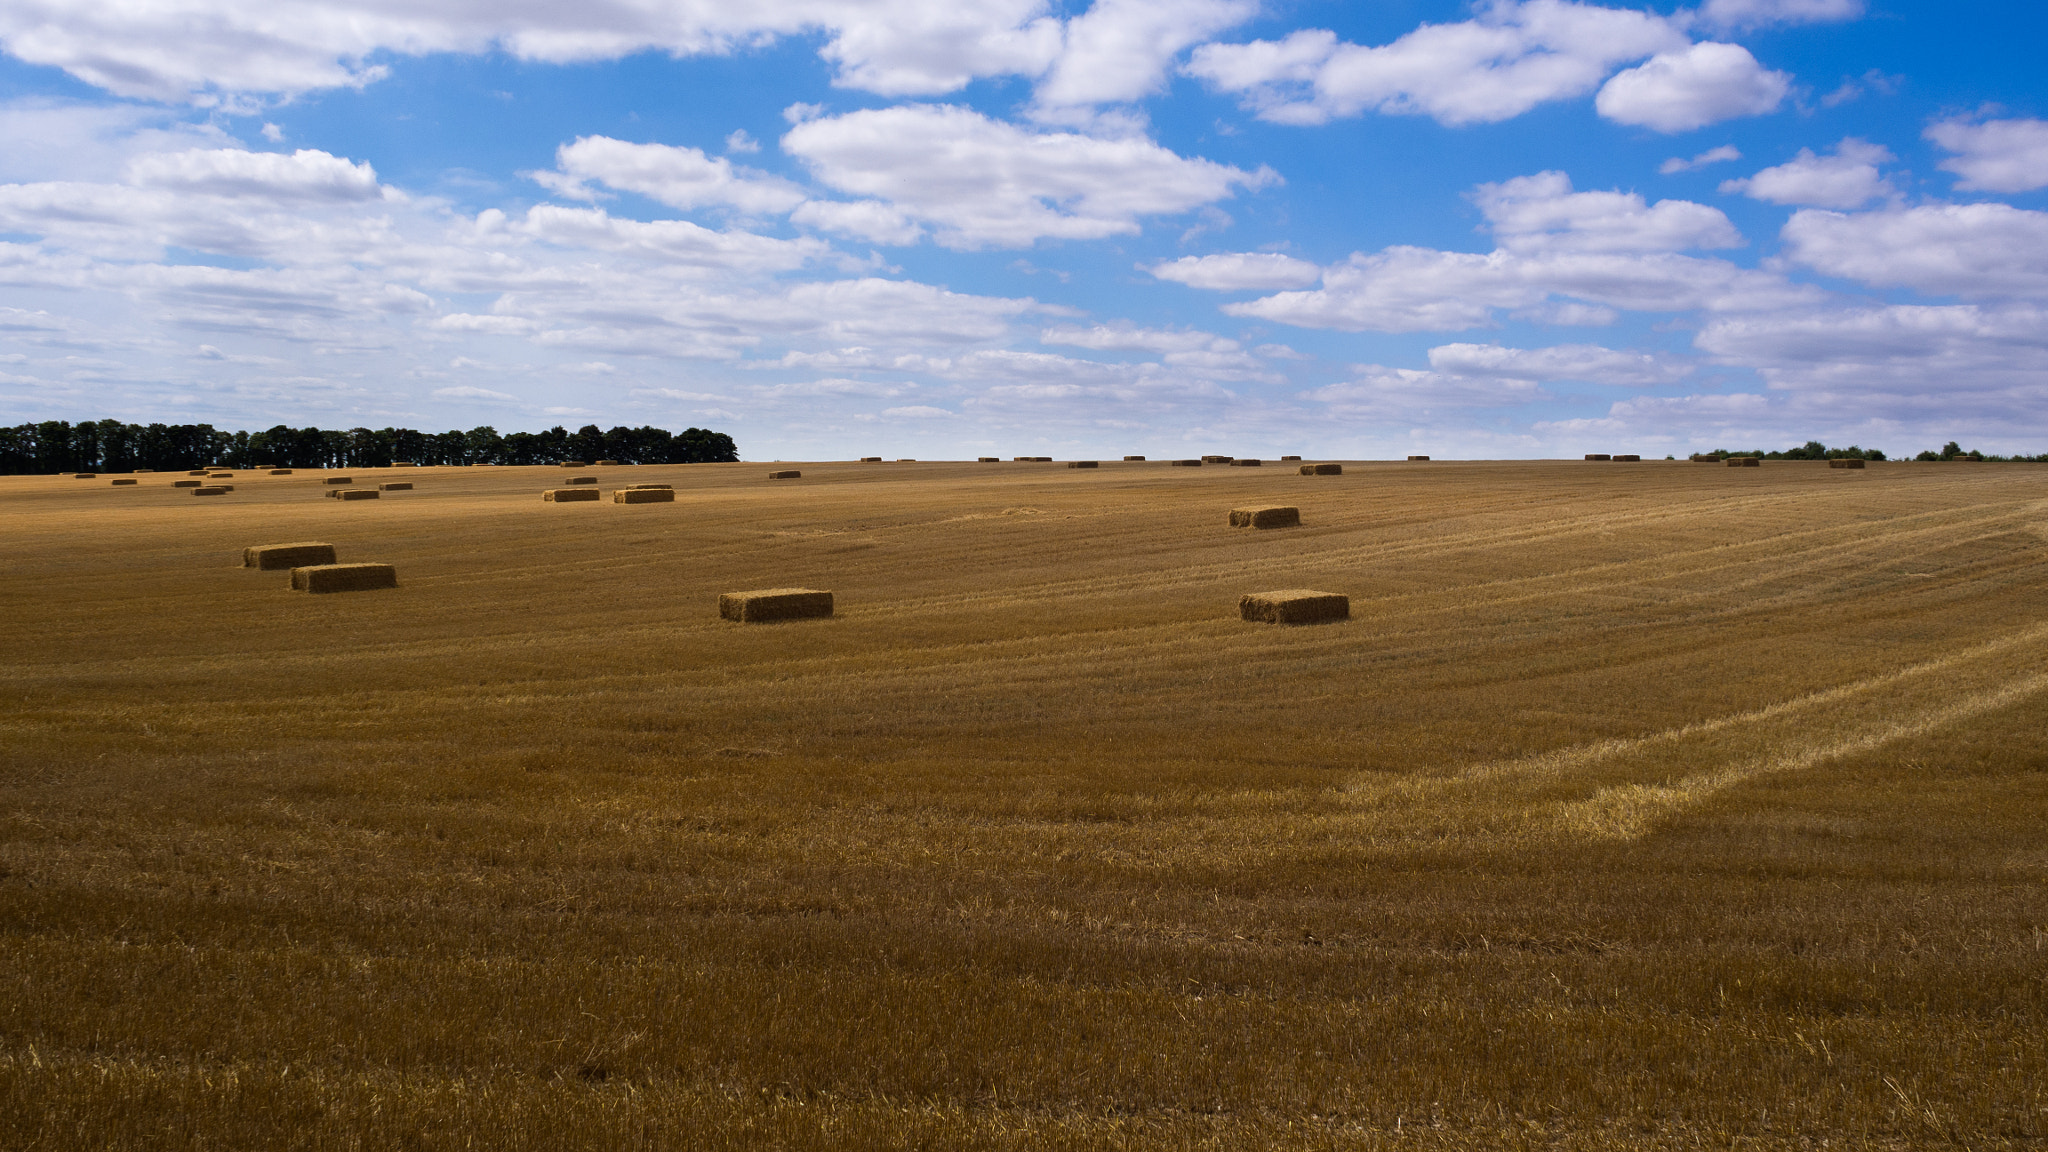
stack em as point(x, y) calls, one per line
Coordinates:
point(1636, 805)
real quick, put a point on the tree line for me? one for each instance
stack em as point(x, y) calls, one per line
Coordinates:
point(1815, 450)
point(111, 446)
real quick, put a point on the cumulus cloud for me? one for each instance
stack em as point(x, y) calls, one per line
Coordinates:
point(467, 392)
point(1760, 13)
point(1541, 213)
point(307, 174)
point(1118, 50)
point(1692, 88)
point(1508, 59)
point(1721, 155)
point(870, 220)
point(1588, 363)
point(1971, 250)
point(1847, 179)
point(1996, 155)
point(1380, 392)
point(983, 183)
point(1236, 271)
point(678, 177)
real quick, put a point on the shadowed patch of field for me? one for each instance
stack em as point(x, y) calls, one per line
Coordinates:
point(1653, 805)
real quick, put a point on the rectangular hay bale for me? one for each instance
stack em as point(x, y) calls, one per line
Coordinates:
point(359, 494)
point(580, 480)
point(607, 464)
point(343, 577)
point(871, 459)
point(574, 464)
point(1133, 459)
point(270, 557)
point(643, 496)
point(1629, 458)
point(280, 471)
point(1185, 464)
point(337, 480)
point(774, 604)
point(569, 495)
point(638, 486)
point(188, 483)
point(1083, 464)
point(1744, 462)
point(125, 480)
point(1271, 516)
point(1247, 464)
point(786, 474)
point(1421, 458)
point(1598, 456)
point(988, 460)
point(1294, 606)
point(1322, 469)
point(396, 486)
point(1845, 463)
point(212, 490)
point(1290, 459)
point(220, 475)
point(1215, 459)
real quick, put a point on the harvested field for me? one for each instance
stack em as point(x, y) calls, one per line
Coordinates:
point(1632, 808)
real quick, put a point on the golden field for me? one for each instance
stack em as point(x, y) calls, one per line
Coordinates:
point(1636, 806)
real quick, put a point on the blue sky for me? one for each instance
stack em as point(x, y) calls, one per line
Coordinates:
point(948, 228)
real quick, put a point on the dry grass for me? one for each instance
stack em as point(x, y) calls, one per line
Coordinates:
point(1664, 808)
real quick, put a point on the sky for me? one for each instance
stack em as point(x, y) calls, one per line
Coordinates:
point(948, 228)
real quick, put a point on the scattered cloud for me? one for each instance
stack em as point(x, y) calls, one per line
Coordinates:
point(1237, 271)
point(1994, 155)
point(1847, 179)
point(1721, 155)
point(1692, 88)
point(678, 177)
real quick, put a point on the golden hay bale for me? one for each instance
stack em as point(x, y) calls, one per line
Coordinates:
point(1083, 464)
point(280, 471)
point(786, 474)
point(272, 556)
point(1215, 459)
point(1130, 459)
point(358, 494)
point(670, 486)
point(126, 480)
point(188, 483)
point(574, 464)
point(1271, 516)
point(1294, 606)
point(343, 577)
point(221, 475)
point(871, 459)
point(1247, 464)
point(404, 464)
point(905, 460)
point(607, 463)
point(1422, 458)
point(1598, 456)
point(1290, 459)
point(1185, 464)
point(141, 471)
point(1628, 458)
point(774, 604)
point(988, 460)
point(85, 475)
point(569, 495)
point(580, 480)
point(1849, 463)
point(1322, 469)
point(1744, 462)
point(336, 480)
point(643, 496)
point(396, 486)
point(1704, 458)
point(213, 490)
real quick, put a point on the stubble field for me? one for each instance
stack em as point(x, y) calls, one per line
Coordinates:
point(1637, 805)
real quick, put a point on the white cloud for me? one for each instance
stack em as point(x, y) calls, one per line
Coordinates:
point(1184, 348)
point(1760, 13)
point(1721, 155)
point(1380, 392)
point(984, 183)
point(1236, 271)
point(920, 412)
point(469, 393)
point(1701, 85)
point(1847, 179)
point(1965, 249)
point(673, 242)
point(1510, 58)
point(678, 177)
point(1912, 362)
point(1118, 50)
point(1541, 213)
point(44, 139)
point(738, 140)
point(1996, 155)
point(870, 220)
point(307, 174)
point(1589, 363)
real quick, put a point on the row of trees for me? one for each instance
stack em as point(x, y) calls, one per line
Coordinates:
point(111, 446)
point(1954, 451)
point(1811, 450)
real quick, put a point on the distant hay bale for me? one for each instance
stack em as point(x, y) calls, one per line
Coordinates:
point(1290, 459)
point(337, 480)
point(1744, 462)
point(574, 464)
point(871, 459)
point(1630, 458)
point(1272, 516)
point(1215, 459)
point(786, 474)
point(396, 486)
point(358, 494)
point(774, 604)
point(1083, 464)
point(410, 464)
point(1294, 606)
point(121, 480)
point(343, 577)
point(1598, 456)
point(905, 460)
point(220, 475)
point(280, 471)
point(1849, 463)
point(988, 460)
point(1247, 464)
point(196, 472)
point(580, 480)
point(607, 464)
point(1133, 459)
point(85, 475)
point(213, 490)
point(1185, 464)
point(1704, 458)
point(569, 495)
point(188, 483)
point(1424, 458)
point(644, 486)
point(141, 471)
point(643, 496)
point(268, 557)
point(1322, 469)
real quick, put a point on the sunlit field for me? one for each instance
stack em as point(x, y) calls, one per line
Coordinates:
point(1640, 805)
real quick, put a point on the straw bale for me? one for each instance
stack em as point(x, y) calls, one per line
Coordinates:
point(1744, 462)
point(580, 480)
point(85, 475)
point(141, 471)
point(343, 577)
point(188, 483)
point(396, 486)
point(280, 471)
point(607, 463)
point(404, 464)
point(786, 474)
point(1215, 459)
point(1290, 459)
point(569, 495)
point(671, 486)
point(906, 460)
point(1322, 469)
point(1294, 606)
point(1423, 458)
point(1850, 463)
point(120, 480)
point(212, 490)
point(1185, 464)
point(574, 464)
point(1629, 458)
point(1704, 458)
point(300, 555)
point(989, 460)
point(774, 604)
point(358, 494)
point(878, 459)
point(1598, 456)
point(196, 472)
point(337, 480)
point(643, 496)
point(1247, 464)
point(1083, 464)
point(1040, 459)
point(1129, 459)
point(1271, 516)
